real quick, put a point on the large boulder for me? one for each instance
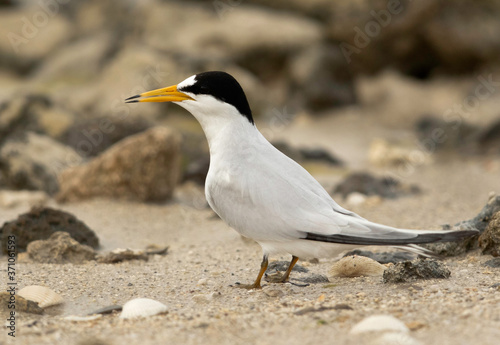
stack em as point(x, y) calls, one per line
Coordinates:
point(33, 112)
point(238, 32)
point(101, 133)
point(143, 167)
point(29, 34)
point(32, 161)
point(133, 70)
point(75, 63)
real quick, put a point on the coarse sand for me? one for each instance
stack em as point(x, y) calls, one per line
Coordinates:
point(206, 257)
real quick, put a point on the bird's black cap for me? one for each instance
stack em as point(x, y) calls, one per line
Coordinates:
point(223, 87)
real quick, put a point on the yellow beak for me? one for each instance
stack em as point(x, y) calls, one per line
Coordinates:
point(166, 94)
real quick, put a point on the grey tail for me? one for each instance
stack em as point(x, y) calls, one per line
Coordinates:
point(420, 238)
point(407, 244)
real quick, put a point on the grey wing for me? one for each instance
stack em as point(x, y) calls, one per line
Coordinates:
point(301, 208)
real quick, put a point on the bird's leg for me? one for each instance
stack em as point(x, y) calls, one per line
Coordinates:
point(284, 278)
point(256, 284)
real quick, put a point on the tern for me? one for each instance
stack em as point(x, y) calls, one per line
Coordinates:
point(268, 197)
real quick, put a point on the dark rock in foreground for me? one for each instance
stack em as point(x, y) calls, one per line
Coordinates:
point(409, 271)
point(385, 257)
point(60, 248)
point(367, 184)
point(489, 240)
point(480, 222)
point(41, 223)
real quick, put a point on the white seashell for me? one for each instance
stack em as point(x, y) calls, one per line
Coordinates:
point(356, 266)
point(379, 323)
point(396, 338)
point(42, 295)
point(142, 307)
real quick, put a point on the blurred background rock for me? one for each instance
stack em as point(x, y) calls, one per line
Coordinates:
point(421, 75)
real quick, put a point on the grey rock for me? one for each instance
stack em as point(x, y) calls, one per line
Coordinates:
point(476, 28)
point(282, 266)
point(25, 43)
point(33, 112)
point(409, 271)
point(19, 115)
point(479, 222)
point(143, 167)
point(457, 137)
point(489, 240)
point(205, 33)
point(320, 155)
point(495, 262)
point(367, 184)
point(303, 154)
point(489, 139)
point(314, 279)
point(32, 161)
point(119, 255)
point(92, 136)
point(77, 62)
point(41, 223)
point(60, 248)
point(385, 257)
point(197, 170)
point(288, 150)
point(463, 137)
point(132, 70)
point(321, 79)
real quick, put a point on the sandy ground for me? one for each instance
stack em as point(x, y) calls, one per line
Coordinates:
point(206, 257)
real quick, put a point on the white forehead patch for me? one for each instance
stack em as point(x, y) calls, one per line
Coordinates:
point(187, 82)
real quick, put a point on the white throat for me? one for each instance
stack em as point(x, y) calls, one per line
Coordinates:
point(223, 125)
